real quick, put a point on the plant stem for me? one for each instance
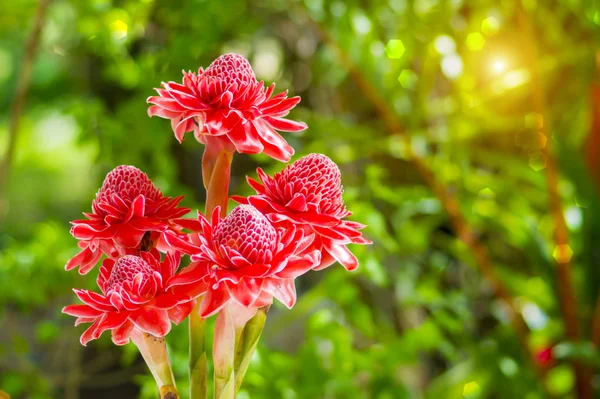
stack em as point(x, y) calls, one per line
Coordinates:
point(246, 344)
point(596, 324)
point(218, 186)
point(19, 100)
point(223, 355)
point(562, 250)
point(197, 354)
point(154, 352)
point(216, 171)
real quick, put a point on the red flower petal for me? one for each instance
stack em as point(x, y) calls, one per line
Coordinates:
point(213, 301)
point(196, 271)
point(275, 146)
point(285, 125)
point(152, 321)
point(128, 236)
point(120, 336)
point(245, 291)
point(94, 300)
point(111, 321)
point(300, 265)
point(178, 313)
point(137, 207)
point(89, 334)
point(179, 243)
point(298, 203)
point(246, 139)
point(283, 290)
point(86, 259)
point(342, 255)
point(81, 311)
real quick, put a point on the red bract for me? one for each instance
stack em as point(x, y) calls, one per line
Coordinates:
point(308, 194)
point(126, 207)
point(227, 102)
point(134, 295)
point(245, 259)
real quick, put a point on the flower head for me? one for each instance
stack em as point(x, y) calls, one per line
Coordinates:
point(244, 258)
point(126, 208)
point(135, 295)
point(308, 194)
point(227, 102)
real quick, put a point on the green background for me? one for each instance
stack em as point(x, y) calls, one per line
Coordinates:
point(426, 105)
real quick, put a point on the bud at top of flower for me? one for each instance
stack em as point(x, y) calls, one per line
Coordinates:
point(125, 270)
point(127, 182)
point(230, 69)
point(249, 232)
point(317, 178)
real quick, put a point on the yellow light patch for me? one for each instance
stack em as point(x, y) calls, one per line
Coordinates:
point(471, 388)
point(119, 29)
point(475, 41)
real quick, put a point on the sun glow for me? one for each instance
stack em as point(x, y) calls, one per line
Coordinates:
point(498, 66)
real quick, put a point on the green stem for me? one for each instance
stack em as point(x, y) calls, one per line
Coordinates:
point(197, 359)
point(154, 352)
point(246, 344)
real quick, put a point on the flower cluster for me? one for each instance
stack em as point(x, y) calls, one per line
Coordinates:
point(246, 259)
point(135, 294)
point(308, 195)
point(296, 222)
point(228, 103)
point(129, 219)
point(293, 224)
point(127, 208)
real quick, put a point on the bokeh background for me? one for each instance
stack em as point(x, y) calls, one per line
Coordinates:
point(468, 134)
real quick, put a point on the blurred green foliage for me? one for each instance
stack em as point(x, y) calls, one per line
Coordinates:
point(417, 320)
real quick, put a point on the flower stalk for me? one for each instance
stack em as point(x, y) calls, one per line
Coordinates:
point(197, 354)
point(216, 171)
point(246, 344)
point(154, 352)
point(223, 355)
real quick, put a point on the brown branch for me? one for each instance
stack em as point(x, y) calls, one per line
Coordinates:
point(18, 104)
point(592, 145)
point(593, 161)
point(562, 251)
point(596, 324)
point(449, 202)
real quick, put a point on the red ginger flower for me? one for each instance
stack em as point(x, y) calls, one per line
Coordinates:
point(308, 194)
point(126, 207)
point(244, 258)
point(226, 101)
point(135, 295)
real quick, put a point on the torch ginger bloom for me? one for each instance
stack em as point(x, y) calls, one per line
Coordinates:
point(126, 207)
point(135, 295)
point(228, 103)
point(308, 194)
point(244, 258)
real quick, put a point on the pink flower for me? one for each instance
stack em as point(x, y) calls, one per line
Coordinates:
point(126, 207)
point(544, 357)
point(308, 194)
point(227, 102)
point(135, 295)
point(244, 259)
